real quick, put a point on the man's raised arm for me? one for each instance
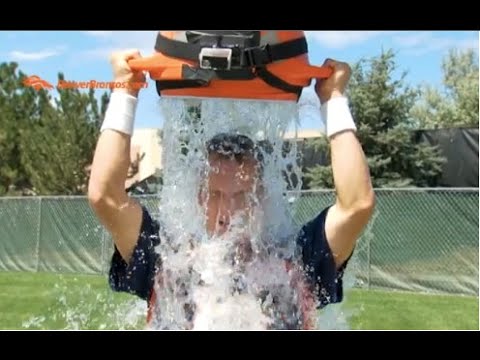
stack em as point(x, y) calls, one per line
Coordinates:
point(121, 215)
point(355, 197)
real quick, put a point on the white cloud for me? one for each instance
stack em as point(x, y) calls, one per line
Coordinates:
point(144, 41)
point(99, 33)
point(96, 54)
point(341, 39)
point(469, 44)
point(420, 43)
point(18, 55)
point(413, 39)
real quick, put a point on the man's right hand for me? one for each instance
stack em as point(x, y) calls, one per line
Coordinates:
point(123, 74)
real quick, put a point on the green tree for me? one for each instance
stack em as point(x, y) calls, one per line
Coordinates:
point(380, 105)
point(456, 105)
point(19, 104)
point(57, 148)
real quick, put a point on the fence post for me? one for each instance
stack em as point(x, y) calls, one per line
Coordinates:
point(369, 262)
point(103, 252)
point(39, 230)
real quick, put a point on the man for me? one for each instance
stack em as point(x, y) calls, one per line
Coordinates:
point(326, 243)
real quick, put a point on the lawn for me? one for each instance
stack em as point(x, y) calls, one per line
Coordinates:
point(49, 301)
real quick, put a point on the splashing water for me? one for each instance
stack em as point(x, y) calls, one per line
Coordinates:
point(204, 283)
point(80, 306)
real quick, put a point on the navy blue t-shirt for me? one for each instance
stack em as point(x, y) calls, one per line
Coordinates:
point(137, 277)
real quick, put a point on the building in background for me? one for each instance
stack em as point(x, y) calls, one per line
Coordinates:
point(144, 174)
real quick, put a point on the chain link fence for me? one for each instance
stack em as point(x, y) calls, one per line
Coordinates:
point(422, 240)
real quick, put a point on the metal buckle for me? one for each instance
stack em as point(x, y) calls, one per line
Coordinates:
point(215, 58)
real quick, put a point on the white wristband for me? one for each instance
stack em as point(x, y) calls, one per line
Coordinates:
point(120, 114)
point(337, 116)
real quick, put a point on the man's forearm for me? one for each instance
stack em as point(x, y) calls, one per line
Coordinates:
point(110, 164)
point(350, 172)
point(349, 166)
point(112, 155)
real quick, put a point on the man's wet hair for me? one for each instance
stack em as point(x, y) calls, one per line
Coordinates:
point(238, 146)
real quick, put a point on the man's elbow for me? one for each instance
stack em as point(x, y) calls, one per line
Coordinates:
point(104, 196)
point(96, 195)
point(101, 195)
point(365, 206)
point(362, 207)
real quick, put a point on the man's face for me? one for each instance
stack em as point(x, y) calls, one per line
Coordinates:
point(229, 192)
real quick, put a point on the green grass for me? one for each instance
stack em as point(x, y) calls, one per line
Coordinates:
point(48, 301)
point(381, 310)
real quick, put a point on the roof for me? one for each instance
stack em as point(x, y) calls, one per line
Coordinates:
point(303, 134)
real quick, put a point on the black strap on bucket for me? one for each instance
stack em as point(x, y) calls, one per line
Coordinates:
point(249, 58)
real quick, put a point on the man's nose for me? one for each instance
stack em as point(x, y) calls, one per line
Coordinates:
point(224, 220)
point(224, 212)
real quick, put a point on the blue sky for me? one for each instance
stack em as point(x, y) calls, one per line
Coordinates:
point(83, 55)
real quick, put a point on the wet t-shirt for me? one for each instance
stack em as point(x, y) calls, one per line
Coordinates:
point(323, 278)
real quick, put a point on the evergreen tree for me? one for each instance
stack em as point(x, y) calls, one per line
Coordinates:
point(380, 105)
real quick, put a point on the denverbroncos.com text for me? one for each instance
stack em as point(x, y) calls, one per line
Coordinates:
point(93, 84)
